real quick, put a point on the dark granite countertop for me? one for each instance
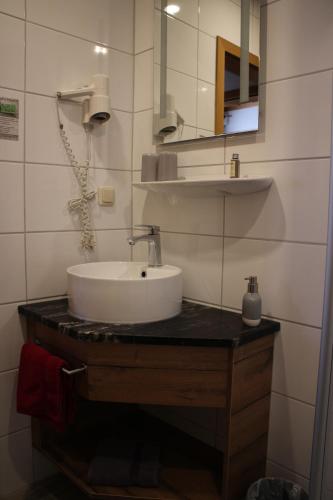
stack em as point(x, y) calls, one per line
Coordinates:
point(197, 325)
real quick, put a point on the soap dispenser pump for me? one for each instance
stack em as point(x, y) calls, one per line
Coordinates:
point(251, 310)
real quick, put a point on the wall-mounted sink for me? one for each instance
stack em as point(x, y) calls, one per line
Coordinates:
point(124, 292)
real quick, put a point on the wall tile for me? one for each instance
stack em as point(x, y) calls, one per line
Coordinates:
point(206, 58)
point(111, 23)
point(275, 470)
point(61, 74)
point(12, 150)
point(295, 121)
point(179, 213)
point(202, 153)
point(157, 36)
point(10, 420)
point(290, 209)
point(48, 256)
point(111, 143)
point(46, 265)
point(112, 245)
point(144, 25)
point(206, 106)
point(16, 462)
point(295, 370)
point(280, 269)
point(12, 51)
point(200, 258)
point(119, 215)
point(12, 337)
point(290, 434)
point(142, 136)
point(12, 204)
point(52, 187)
point(182, 47)
point(43, 141)
point(143, 81)
point(12, 267)
point(254, 46)
point(184, 89)
point(188, 12)
point(220, 17)
point(15, 8)
point(307, 38)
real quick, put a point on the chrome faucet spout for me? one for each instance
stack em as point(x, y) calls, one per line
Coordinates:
point(154, 244)
point(133, 239)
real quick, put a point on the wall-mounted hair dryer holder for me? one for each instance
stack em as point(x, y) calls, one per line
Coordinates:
point(96, 99)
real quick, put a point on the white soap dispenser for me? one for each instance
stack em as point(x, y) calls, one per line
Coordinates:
point(251, 310)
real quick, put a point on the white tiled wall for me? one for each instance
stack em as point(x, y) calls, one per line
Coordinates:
point(280, 234)
point(45, 47)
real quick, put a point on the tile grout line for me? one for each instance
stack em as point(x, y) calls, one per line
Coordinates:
point(71, 230)
point(245, 238)
point(63, 165)
point(224, 224)
point(276, 318)
point(133, 115)
point(277, 463)
point(182, 233)
point(77, 37)
point(254, 162)
point(281, 394)
point(49, 96)
point(264, 316)
point(187, 74)
point(24, 157)
point(12, 433)
point(300, 75)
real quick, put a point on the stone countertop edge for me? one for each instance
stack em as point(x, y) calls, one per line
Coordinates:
point(196, 325)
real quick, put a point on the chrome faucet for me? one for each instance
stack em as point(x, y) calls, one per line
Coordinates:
point(154, 243)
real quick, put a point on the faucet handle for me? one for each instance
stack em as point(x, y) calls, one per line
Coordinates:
point(152, 228)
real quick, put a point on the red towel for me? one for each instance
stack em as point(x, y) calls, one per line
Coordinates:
point(44, 391)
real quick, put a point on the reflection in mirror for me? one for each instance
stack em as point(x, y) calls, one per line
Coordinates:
point(206, 68)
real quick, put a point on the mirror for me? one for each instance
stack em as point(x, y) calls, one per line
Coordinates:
point(206, 68)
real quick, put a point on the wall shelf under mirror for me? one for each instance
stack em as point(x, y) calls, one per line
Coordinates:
point(209, 185)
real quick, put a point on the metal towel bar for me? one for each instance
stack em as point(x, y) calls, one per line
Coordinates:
point(68, 372)
point(75, 370)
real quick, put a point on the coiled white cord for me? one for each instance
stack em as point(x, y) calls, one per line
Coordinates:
point(81, 203)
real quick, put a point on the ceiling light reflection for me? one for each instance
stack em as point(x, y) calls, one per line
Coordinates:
point(172, 9)
point(100, 50)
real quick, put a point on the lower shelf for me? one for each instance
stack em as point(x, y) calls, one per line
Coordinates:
point(189, 468)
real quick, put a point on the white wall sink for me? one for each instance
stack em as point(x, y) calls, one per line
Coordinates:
point(116, 292)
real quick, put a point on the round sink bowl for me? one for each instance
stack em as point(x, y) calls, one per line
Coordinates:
point(124, 292)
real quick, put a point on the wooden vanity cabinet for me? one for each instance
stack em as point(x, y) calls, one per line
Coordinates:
point(235, 380)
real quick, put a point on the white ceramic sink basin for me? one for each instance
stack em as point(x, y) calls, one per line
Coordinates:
point(118, 292)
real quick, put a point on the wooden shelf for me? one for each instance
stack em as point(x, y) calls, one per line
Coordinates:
point(208, 186)
point(190, 474)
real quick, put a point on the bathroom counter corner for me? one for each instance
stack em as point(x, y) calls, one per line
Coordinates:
point(197, 325)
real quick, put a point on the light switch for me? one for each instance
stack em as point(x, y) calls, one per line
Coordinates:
point(106, 195)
